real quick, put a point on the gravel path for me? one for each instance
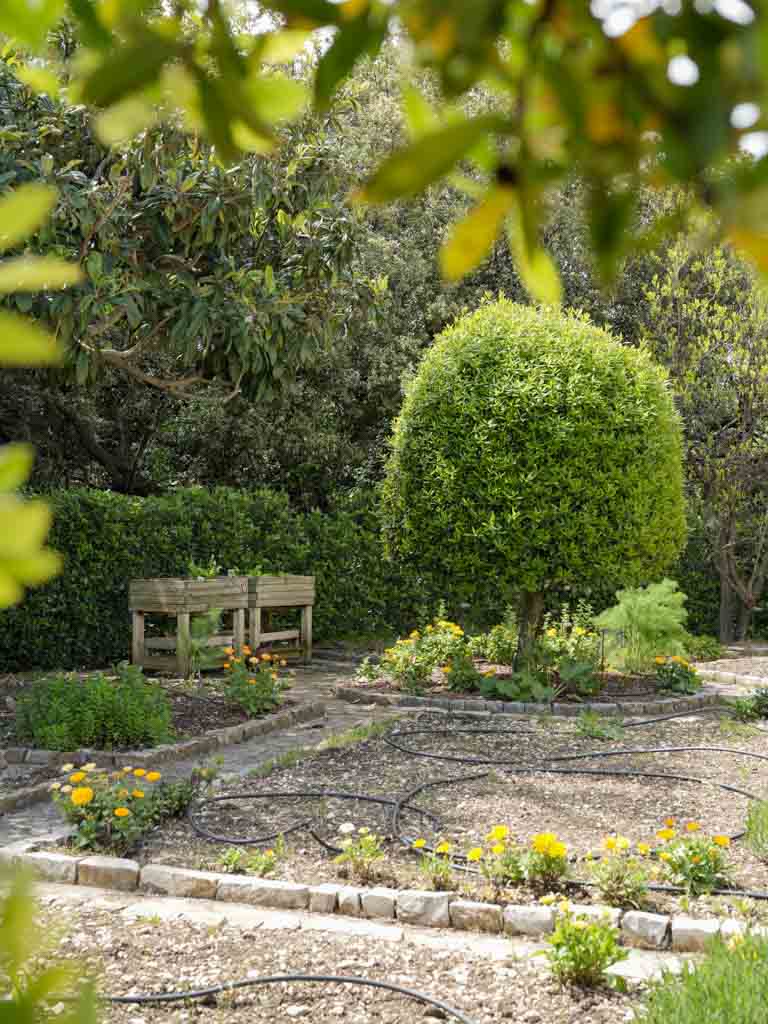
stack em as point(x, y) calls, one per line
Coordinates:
point(140, 944)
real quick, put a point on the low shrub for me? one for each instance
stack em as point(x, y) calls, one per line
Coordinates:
point(676, 675)
point(646, 622)
point(596, 727)
point(703, 648)
point(112, 810)
point(360, 852)
point(499, 644)
point(238, 861)
point(435, 865)
point(729, 984)
point(502, 864)
point(581, 951)
point(253, 681)
point(66, 712)
point(545, 865)
point(750, 709)
point(694, 861)
point(413, 659)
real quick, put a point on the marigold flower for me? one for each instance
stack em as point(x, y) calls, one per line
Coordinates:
point(447, 669)
point(77, 777)
point(269, 853)
point(497, 833)
point(476, 853)
point(139, 772)
point(81, 796)
point(643, 849)
point(153, 776)
point(273, 675)
point(542, 841)
point(121, 812)
point(226, 664)
point(721, 840)
point(415, 635)
point(665, 834)
point(609, 843)
point(670, 822)
point(498, 849)
point(548, 900)
point(552, 631)
point(229, 650)
point(665, 856)
point(660, 661)
point(246, 649)
point(122, 793)
point(579, 630)
point(622, 843)
point(266, 657)
point(443, 848)
point(695, 859)
point(557, 849)
point(253, 660)
point(420, 844)
point(138, 793)
point(692, 826)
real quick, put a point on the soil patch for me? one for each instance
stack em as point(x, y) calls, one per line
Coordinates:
point(580, 808)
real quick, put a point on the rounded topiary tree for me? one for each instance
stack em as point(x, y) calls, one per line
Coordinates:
point(533, 450)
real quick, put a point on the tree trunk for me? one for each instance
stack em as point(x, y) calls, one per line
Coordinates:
point(529, 618)
point(744, 623)
point(727, 611)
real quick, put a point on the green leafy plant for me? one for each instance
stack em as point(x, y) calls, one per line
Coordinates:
point(413, 659)
point(206, 572)
point(361, 852)
point(236, 860)
point(436, 865)
point(676, 675)
point(461, 674)
point(254, 681)
point(703, 647)
point(545, 864)
point(620, 876)
point(200, 655)
point(499, 644)
point(66, 712)
point(647, 622)
point(752, 708)
point(501, 864)
point(596, 727)
point(757, 828)
point(729, 984)
point(694, 861)
point(580, 950)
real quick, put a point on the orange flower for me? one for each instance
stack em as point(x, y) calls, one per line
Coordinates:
point(153, 776)
point(229, 650)
point(121, 812)
point(226, 664)
point(669, 822)
point(266, 657)
point(246, 649)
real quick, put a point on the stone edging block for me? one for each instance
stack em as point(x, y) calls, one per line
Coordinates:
point(409, 906)
point(164, 754)
point(651, 706)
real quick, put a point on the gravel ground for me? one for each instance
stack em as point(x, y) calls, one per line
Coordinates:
point(740, 666)
point(581, 809)
point(148, 956)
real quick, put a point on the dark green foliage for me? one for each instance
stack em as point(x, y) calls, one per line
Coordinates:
point(81, 619)
point(731, 985)
point(66, 713)
point(703, 648)
point(534, 451)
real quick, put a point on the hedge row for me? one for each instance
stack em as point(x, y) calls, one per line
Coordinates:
point(81, 618)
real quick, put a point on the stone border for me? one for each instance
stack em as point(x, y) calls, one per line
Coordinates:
point(660, 706)
point(639, 929)
point(207, 743)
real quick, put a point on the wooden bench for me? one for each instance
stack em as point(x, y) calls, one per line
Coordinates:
point(241, 595)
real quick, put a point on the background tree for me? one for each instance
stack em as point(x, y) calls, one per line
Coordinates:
point(535, 452)
point(706, 319)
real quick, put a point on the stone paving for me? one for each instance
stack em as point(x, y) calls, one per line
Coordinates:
point(313, 682)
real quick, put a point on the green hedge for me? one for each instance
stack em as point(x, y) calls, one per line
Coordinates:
point(81, 619)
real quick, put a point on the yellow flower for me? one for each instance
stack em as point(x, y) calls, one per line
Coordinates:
point(283, 663)
point(415, 635)
point(252, 681)
point(253, 661)
point(660, 661)
point(552, 631)
point(122, 793)
point(669, 822)
point(475, 853)
point(81, 796)
point(138, 772)
point(443, 848)
point(229, 650)
point(77, 777)
point(665, 856)
point(269, 853)
point(695, 859)
point(548, 900)
point(420, 844)
point(498, 849)
point(557, 849)
point(489, 673)
point(226, 664)
point(447, 669)
point(266, 657)
point(138, 793)
point(609, 843)
point(67, 767)
point(247, 649)
point(622, 843)
point(273, 675)
point(677, 658)
point(692, 826)
point(721, 840)
point(665, 834)
point(153, 776)
point(497, 833)
point(542, 841)
point(579, 631)
point(90, 767)
point(564, 906)
point(643, 849)
point(121, 812)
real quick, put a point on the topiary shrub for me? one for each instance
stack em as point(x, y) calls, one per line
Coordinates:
point(534, 451)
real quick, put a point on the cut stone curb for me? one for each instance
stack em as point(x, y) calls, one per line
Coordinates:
point(167, 753)
point(426, 909)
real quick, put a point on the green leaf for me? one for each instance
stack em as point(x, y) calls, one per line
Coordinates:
point(23, 343)
point(92, 31)
point(35, 273)
point(411, 169)
point(29, 22)
point(38, 79)
point(420, 117)
point(23, 211)
point(282, 47)
point(17, 925)
point(129, 70)
point(32, 570)
point(277, 98)
point(320, 12)
point(15, 465)
point(24, 526)
point(472, 238)
point(124, 119)
point(536, 268)
point(353, 39)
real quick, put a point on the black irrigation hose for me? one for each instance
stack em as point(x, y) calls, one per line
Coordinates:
point(282, 979)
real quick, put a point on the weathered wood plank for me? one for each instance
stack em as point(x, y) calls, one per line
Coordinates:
point(306, 632)
point(182, 643)
point(281, 634)
point(137, 637)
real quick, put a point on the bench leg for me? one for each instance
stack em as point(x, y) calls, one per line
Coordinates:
point(306, 632)
point(182, 644)
point(137, 639)
point(254, 628)
point(238, 628)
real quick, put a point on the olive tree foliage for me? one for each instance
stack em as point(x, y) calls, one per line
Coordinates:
point(535, 452)
point(628, 95)
point(706, 320)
